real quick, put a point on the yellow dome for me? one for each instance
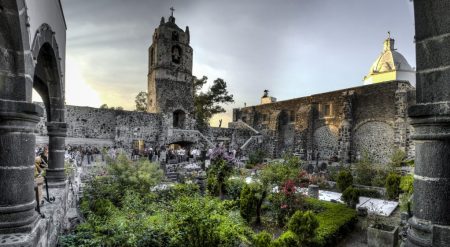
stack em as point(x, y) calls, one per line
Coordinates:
point(390, 65)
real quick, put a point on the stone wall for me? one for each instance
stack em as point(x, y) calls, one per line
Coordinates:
point(329, 123)
point(122, 127)
point(99, 126)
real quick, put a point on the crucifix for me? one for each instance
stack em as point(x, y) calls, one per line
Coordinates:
point(172, 9)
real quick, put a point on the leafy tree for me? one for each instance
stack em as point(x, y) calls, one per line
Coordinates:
point(208, 103)
point(104, 106)
point(141, 101)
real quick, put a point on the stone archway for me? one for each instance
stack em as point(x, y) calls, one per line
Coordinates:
point(48, 82)
point(326, 141)
point(376, 139)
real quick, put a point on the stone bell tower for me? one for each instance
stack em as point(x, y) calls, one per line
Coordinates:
point(170, 81)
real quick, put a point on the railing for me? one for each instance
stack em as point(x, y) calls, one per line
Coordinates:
point(248, 126)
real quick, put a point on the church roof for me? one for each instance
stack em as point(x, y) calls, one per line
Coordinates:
point(390, 60)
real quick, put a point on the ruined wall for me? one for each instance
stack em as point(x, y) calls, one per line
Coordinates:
point(121, 126)
point(333, 123)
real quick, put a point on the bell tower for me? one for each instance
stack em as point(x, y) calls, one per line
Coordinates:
point(170, 81)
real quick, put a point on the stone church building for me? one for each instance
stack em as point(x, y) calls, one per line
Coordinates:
point(344, 124)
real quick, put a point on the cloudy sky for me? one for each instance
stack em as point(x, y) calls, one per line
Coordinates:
point(293, 48)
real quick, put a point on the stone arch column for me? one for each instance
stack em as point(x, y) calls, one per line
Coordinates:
point(18, 119)
point(430, 225)
point(48, 81)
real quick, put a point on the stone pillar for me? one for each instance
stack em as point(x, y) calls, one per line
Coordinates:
point(430, 225)
point(56, 150)
point(400, 125)
point(17, 143)
point(345, 130)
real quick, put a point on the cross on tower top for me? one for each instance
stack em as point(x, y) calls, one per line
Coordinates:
point(172, 9)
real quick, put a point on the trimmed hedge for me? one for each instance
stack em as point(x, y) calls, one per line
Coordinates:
point(335, 220)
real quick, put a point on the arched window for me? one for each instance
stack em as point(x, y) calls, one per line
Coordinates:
point(176, 54)
point(178, 119)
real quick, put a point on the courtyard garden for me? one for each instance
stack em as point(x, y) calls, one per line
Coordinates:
point(130, 203)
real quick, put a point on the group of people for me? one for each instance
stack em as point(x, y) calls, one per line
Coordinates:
point(164, 154)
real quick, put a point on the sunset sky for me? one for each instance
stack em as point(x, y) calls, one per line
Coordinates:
point(293, 48)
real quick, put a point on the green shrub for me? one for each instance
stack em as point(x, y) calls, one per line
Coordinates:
point(256, 157)
point(392, 185)
point(335, 221)
point(252, 197)
point(218, 173)
point(233, 188)
point(351, 197)
point(398, 158)
point(262, 239)
point(277, 173)
point(344, 180)
point(287, 239)
point(406, 184)
point(379, 179)
point(304, 225)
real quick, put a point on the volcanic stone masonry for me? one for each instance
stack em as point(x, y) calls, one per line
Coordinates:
point(343, 124)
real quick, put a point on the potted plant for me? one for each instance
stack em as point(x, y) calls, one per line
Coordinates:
point(380, 234)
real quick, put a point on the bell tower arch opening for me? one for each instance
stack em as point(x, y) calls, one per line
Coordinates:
point(179, 117)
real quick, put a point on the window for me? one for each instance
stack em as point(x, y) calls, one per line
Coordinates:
point(175, 36)
point(326, 110)
point(265, 118)
point(292, 116)
point(244, 119)
point(176, 54)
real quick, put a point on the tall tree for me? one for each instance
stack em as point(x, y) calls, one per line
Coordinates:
point(209, 103)
point(141, 101)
